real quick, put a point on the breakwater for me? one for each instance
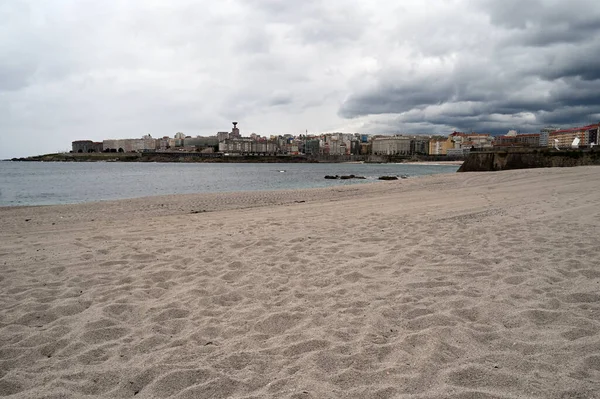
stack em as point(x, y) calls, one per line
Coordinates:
point(527, 158)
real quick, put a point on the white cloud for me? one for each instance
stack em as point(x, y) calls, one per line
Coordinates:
point(91, 70)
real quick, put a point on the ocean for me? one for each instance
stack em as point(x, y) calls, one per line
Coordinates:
point(48, 183)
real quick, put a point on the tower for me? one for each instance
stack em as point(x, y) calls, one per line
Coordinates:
point(235, 132)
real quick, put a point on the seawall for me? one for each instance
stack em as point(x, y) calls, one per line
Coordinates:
point(521, 158)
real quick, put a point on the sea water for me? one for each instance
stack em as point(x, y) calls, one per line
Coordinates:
point(46, 183)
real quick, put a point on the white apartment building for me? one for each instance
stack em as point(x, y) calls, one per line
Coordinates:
point(130, 145)
point(392, 145)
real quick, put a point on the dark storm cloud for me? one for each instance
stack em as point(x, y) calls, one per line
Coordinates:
point(536, 64)
point(534, 14)
point(565, 116)
point(397, 94)
point(587, 68)
point(397, 98)
point(582, 61)
point(558, 34)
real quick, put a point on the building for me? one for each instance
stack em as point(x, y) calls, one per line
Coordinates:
point(236, 146)
point(222, 136)
point(336, 143)
point(544, 138)
point(440, 146)
point(178, 140)
point(336, 146)
point(419, 145)
point(564, 138)
point(311, 146)
point(199, 143)
point(86, 146)
point(130, 145)
point(471, 140)
point(165, 143)
point(392, 145)
point(518, 140)
point(365, 149)
point(355, 147)
point(594, 134)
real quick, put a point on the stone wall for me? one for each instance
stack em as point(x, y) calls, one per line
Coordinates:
point(485, 161)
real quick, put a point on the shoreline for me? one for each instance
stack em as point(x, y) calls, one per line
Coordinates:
point(456, 285)
point(191, 157)
point(432, 163)
point(179, 204)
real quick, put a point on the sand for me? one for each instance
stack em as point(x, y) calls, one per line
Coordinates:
point(475, 285)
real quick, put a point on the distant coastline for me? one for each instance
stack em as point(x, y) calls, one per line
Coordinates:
point(186, 157)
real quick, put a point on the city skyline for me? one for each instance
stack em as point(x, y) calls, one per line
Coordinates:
point(224, 144)
point(71, 71)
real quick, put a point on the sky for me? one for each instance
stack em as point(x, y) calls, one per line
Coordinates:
point(88, 69)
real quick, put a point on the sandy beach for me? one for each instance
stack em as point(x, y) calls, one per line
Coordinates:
point(471, 286)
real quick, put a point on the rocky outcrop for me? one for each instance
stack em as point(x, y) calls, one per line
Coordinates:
point(486, 161)
point(344, 177)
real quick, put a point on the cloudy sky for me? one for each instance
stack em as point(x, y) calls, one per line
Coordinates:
point(88, 69)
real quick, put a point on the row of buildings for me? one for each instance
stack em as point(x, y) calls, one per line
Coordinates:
point(232, 143)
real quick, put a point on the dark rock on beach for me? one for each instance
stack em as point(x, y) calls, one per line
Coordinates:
point(345, 177)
